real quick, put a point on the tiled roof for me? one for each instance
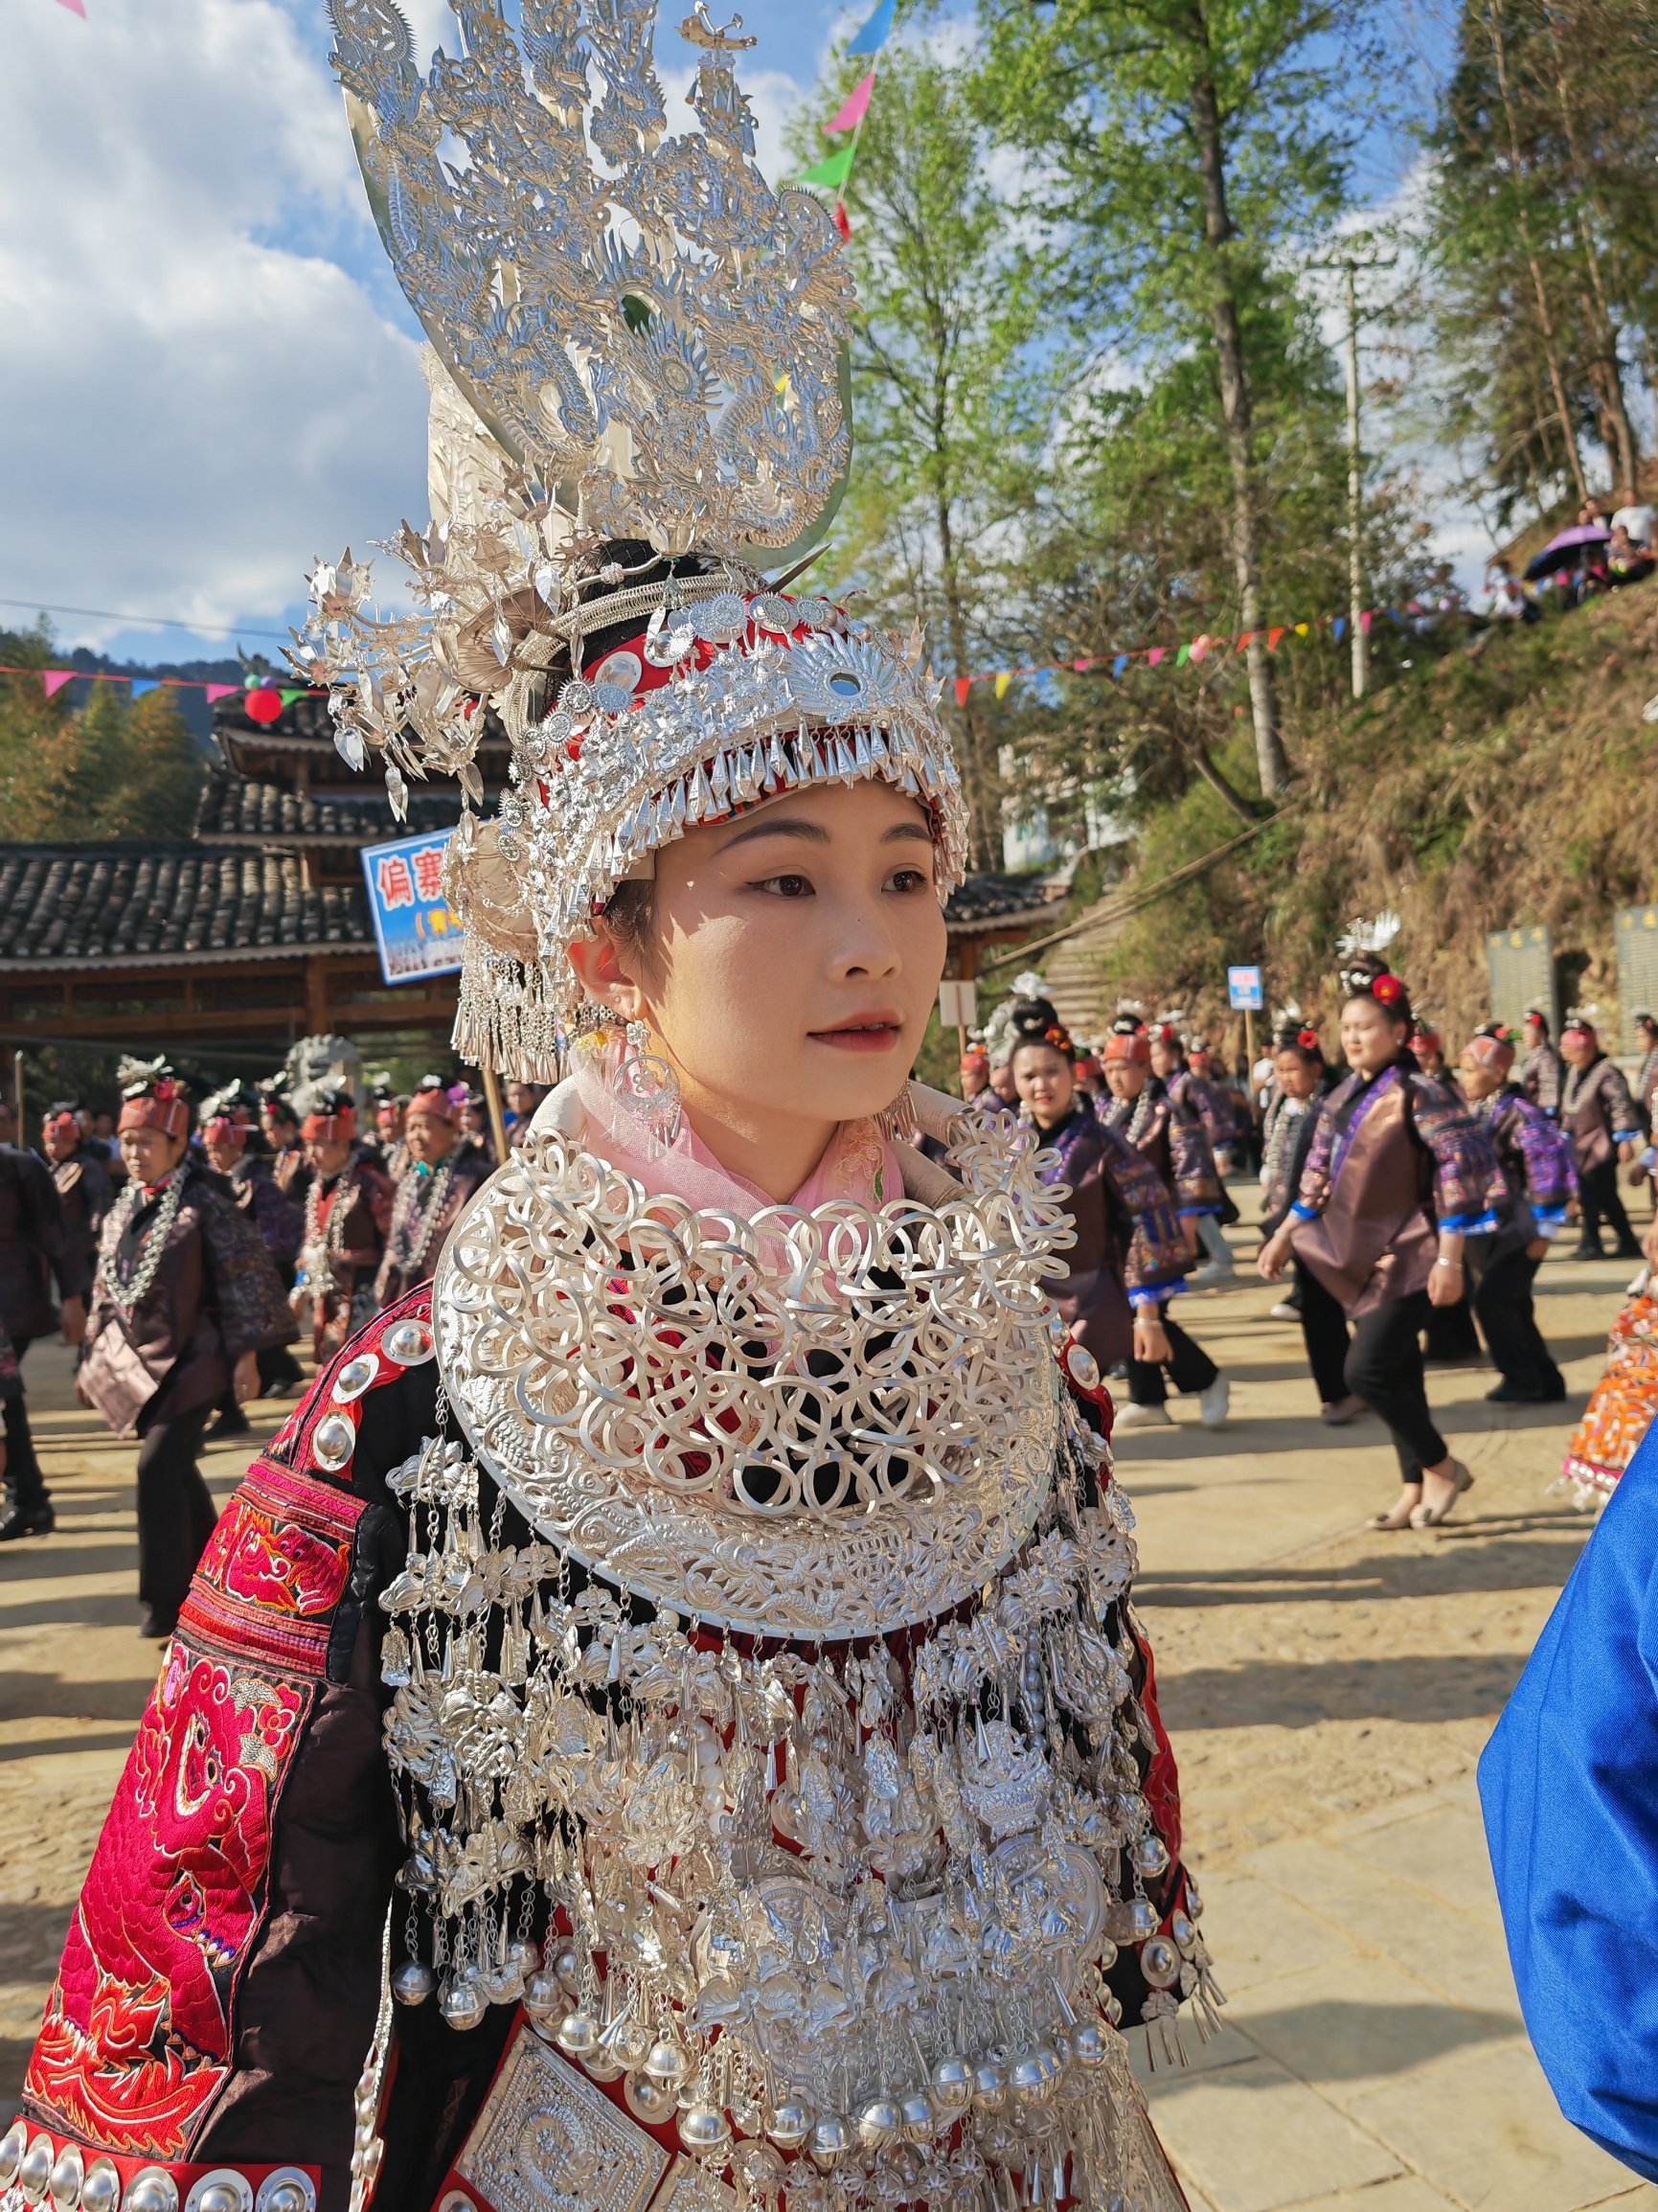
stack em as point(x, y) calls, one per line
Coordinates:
point(234, 806)
point(990, 899)
point(102, 904)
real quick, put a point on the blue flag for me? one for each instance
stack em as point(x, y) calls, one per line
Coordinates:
point(143, 684)
point(877, 30)
point(1118, 666)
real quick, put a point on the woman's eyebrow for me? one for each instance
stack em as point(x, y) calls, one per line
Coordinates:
point(779, 826)
point(916, 830)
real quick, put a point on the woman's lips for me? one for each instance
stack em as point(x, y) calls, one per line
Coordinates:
point(879, 1033)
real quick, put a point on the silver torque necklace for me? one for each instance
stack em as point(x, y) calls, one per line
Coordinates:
point(133, 1292)
point(408, 1199)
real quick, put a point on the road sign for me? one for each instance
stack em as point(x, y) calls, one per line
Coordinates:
point(1520, 966)
point(1243, 989)
point(414, 927)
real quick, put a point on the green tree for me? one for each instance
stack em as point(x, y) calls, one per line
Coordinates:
point(1543, 238)
point(116, 769)
point(1182, 149)
point(952, 396)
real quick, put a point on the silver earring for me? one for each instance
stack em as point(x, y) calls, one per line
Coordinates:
point(645, 1090)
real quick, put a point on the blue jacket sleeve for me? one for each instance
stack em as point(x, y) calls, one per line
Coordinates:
point(1569, 1784)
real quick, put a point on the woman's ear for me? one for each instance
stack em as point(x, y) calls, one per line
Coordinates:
point(599, 967)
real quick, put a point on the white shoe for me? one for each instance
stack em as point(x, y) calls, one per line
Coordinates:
point(1284, 1311)
point(1212, 1275)
point(1132, 1416)
point(1213, 1403)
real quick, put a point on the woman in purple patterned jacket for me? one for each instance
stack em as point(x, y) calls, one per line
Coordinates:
point(1399, 1176)
point(1536, 1157)
point(1171, 1138)
point(1129, 1257)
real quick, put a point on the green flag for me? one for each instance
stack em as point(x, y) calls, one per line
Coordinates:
point(831, 174)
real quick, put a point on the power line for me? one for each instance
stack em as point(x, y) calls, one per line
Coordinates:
point(150, 621)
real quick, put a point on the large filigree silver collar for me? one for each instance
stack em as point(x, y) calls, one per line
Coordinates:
point(833, 1424)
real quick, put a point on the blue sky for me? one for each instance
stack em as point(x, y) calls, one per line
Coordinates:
point(209, 371)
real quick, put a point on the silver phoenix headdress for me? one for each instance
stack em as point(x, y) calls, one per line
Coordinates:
point(637, 373)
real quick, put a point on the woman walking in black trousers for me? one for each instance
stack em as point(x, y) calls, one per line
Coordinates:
point(1398, 1175)
point(1303, 1081)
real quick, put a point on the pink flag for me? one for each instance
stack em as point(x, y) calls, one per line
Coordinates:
point(54, 680)
point(848, 118)
point(1365, 621)
point(1155, 655)
point(1081, 666)
point(220, 692)
point(75, 8)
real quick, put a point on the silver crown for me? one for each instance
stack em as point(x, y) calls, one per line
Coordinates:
point(568, 311)
point(664, 340)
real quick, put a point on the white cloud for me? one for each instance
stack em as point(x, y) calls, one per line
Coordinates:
point(198, 401)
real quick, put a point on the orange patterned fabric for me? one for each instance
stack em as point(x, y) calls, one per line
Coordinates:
point(1620, 1409)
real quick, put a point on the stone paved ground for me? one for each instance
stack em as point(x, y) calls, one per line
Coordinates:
point(1329, 1692)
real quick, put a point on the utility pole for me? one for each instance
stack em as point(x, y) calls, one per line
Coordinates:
point(1350, 268)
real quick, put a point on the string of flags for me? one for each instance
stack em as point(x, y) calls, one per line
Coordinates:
point(832, 173)
point(53, 681)
point(1180, 656)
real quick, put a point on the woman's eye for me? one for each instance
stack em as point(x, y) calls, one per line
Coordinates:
point(787, 886)
point(908, 880)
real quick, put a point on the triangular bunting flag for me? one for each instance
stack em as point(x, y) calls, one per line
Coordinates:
point(288, 697)
point(877, 30)
point(852, 113)
point(1081, 666)
point(1272, 638)
point(841, 219)
point(1002, 683)
point(831, 174)
point(220, 692)
point(1339, 626)
point(1301, 628)
point(1366, 619)
point(1247, 640)
point(143, 684)
point(1157, 653)
point(1183, 656)
point(963, 685)
point(54, 680)
point(1118, 666)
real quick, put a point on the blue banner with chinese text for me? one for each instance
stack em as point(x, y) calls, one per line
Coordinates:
point(416, 931)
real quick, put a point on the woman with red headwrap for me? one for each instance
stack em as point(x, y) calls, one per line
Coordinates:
point(442, 1174)
point(1129, 1257)
point(186, 1299)
point(230, 1139)
point(1396, 1180)
point(1536, 1164)
point(1599, 1115)
point(347, 1212)
point(1172, 1137)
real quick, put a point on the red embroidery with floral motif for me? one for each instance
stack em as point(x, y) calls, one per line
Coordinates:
point(139, 2031)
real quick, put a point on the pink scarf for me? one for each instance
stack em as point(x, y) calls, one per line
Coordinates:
point(858, 1164)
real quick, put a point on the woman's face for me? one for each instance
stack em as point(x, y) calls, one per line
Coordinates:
point(1370, 1035)
point(1125, 1078)
point(149, 1153)
point(1045, 1082)
point(1295, 1079)
point(793, 959)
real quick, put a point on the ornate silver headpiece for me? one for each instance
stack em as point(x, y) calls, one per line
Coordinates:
point(650, 356)
point(663, 337)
